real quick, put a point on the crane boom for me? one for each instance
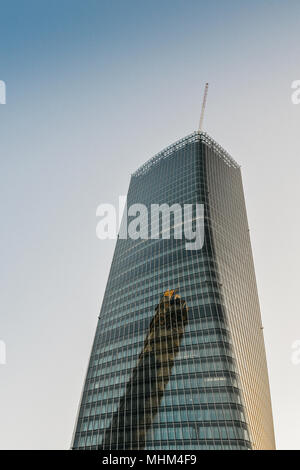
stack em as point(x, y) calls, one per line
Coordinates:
point(203, 107)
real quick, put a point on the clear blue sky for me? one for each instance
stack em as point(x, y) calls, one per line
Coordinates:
point(95, 88)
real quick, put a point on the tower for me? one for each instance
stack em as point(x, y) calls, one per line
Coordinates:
point(206, 385)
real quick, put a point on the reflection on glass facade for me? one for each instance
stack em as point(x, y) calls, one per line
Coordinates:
point(178, 359)
point(146, 387)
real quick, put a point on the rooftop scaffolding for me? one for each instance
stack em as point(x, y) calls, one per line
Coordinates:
point(179, 144)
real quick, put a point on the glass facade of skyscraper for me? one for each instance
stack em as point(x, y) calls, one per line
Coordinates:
point(178, 359)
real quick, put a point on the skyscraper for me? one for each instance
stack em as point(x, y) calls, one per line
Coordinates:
point(178, 360)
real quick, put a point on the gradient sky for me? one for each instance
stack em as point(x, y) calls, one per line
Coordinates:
point(94, 89)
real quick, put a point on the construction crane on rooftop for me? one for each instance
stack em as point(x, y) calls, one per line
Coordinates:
point(203, 107)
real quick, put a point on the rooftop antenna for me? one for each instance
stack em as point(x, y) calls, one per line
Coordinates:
point(203, 107)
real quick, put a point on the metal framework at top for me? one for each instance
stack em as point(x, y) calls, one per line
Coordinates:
point(179, 144)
